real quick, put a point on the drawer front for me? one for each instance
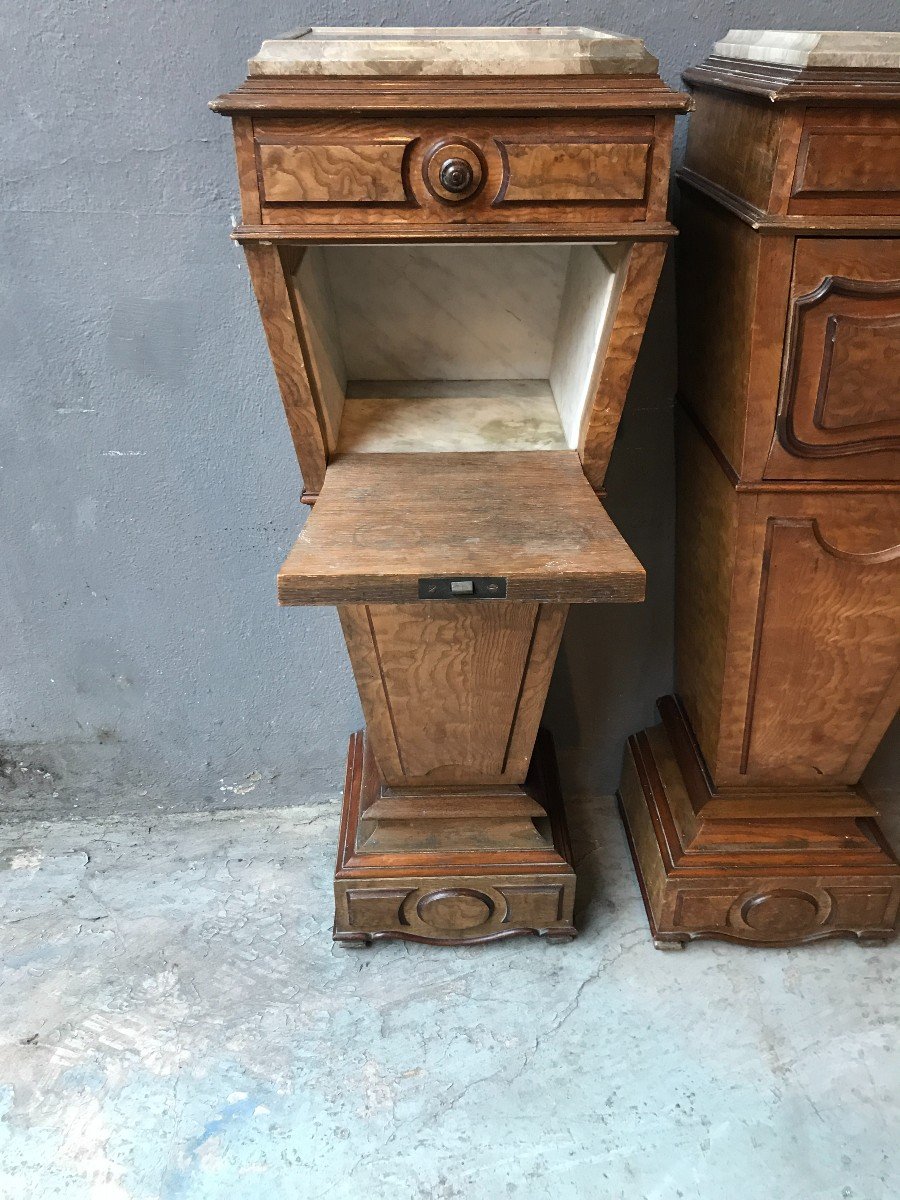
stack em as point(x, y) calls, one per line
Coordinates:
point(814, 669)
point(839, 407)
point(848, 163)
point(332, 172)
point(538, 172)
point(408, 174)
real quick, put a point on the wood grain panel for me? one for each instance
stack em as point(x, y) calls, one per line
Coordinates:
point(453, 692)
point(452, 676)
point(815, 629)
point(734, 142)
point(318, 173)
point(383, 521)
point(276, 306)
point(348, 170)
point(848, 162)
point(367, 671)
point(860, 381)
point(827, 656)
point(614, 365)
point(706, 541)
point(545, 642)
point(572, 171)
point(733, 291)
point(839, 407)
point(248, 181)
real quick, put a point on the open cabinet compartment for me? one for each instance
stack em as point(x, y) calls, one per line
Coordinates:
point(465, 347)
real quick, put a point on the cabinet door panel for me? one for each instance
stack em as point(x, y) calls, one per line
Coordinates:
point(839, 409)
point(824, 675)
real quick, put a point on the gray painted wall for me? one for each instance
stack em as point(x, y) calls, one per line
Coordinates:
point(149, 489)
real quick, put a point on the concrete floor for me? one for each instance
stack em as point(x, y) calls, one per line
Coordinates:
point(177, 1024)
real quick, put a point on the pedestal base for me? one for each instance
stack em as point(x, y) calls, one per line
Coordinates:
point(761, 866)
point(452, 866)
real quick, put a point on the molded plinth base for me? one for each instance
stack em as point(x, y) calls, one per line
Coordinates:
point(452, 866)
point(762, 866)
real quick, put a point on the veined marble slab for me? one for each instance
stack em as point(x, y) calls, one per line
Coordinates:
point(410, 416)
point(447, 312)
point(812, 48)
point(533, 50)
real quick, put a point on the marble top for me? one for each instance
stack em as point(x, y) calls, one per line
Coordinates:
point(535, 50)
point(812, 48)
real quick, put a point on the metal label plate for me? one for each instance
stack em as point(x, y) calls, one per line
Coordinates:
point(457, 587)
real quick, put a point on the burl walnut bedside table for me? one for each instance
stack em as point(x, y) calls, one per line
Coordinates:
point(454, 237)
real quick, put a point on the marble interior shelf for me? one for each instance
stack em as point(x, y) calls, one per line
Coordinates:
point(462, 348)
point(534, 50)
point(464, 415)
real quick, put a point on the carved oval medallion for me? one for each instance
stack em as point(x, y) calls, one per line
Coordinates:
point(781, 913)
point(455, 908)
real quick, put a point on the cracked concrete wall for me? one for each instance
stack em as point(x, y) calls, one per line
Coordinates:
point(149, 490)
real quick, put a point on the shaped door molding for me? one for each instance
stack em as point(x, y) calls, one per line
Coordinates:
point(842, 360)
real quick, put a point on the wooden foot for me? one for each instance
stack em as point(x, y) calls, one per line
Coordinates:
point(758, 866)
point(669, 943)
point(452, 866)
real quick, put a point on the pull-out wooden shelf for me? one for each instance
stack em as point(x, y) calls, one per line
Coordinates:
point(385, 521)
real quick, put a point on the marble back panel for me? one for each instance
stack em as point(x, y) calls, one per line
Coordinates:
point(447, 312)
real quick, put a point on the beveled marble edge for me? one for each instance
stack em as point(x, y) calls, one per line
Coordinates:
point(535, 50)
point(812, 48)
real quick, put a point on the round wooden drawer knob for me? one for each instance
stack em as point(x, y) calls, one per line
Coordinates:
point(454, 171)
point(456, 175)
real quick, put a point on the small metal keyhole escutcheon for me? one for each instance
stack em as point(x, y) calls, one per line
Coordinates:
point(456, 175)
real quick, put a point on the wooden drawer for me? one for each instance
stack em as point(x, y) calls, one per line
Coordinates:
point(401, 173)
point(848, 163)
point(839, 405)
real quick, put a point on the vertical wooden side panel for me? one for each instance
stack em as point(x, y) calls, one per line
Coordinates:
point(642, 272)
point(733, 301)
point(660, 167)
point(279, 321)
point(317, 323)
point(706, 546)
point(548, 631)
point(248, 180)
point(735, 142)
point(786, 164)
point(363, 650)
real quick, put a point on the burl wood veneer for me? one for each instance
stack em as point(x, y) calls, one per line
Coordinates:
point(454, 237)
point(743, 805)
